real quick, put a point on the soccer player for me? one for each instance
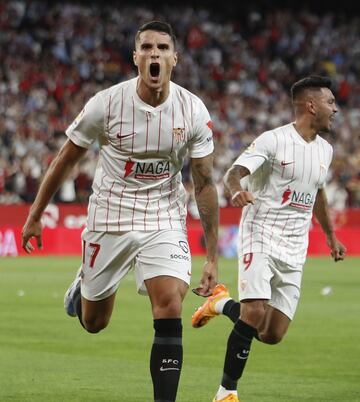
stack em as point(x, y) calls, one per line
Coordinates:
point(137, 215)
point(286, 170)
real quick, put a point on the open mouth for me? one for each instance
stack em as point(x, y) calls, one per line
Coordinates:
point(154, 70)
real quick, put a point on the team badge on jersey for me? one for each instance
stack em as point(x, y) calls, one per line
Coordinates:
point(77, 119)
point(179, 134)
point(251, 148)
point(243, 284)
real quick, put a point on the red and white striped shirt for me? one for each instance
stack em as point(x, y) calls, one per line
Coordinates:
point(137, 183)
point(286, 173)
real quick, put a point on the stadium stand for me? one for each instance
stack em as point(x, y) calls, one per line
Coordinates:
point(55, 56)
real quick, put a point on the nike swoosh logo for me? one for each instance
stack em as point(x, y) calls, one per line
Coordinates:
point(168, 368)
point(125, 135)
point(238, 355)
point(283, 163)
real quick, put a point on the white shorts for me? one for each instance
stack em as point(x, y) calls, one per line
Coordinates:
point(108, 257)
point(262, 276)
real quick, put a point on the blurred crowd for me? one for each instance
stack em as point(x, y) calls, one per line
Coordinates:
point(55, 56)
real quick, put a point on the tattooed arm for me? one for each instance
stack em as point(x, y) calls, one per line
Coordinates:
point(239, 196)
point(207, 203)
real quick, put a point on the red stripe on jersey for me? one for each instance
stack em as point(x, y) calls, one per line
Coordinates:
point(293, 172)
point(262, 233)
point(183, 109)
point(108, 119)
point(108, 207)
point(292, 233)
point(158, 211)
point(318, 180)
point(121, 115)
point(272, 230)
point(168, 209)
point(323, 152)
point(173, 126)
point(300, 236)
point(276, 148)
point(242, 227)
point(311, 164)
point(96, 199)
point(94, 218)
point(147, 130)
point(120, 200)
point(282, 232)
point(159, 132)
point(284, 159)
point(133, 124)
point(178, 181)
point(321, 161)
point(133, 210)
point(147, 203)
point(191, 111)
point(252, 225)
point(303, 166)
point(183, 224)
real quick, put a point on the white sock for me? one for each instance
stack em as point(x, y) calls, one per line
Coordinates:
point(219, 306)
point(223, 392)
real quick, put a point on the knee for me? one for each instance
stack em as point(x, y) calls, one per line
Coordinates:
point(94, 325)
point(167, 307)
point(271, 337)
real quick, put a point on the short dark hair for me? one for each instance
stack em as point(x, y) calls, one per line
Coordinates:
point(311, 82)
point(159, 26)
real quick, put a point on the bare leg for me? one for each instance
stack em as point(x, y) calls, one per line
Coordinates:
point(166, 295)
point(274, 326)
point(96, 314)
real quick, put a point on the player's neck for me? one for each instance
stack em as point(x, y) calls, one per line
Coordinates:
point(305, 130)
point(153, 97)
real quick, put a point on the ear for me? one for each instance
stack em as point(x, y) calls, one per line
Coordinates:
point(135, 58)
point(311, 106)
point(175, 58)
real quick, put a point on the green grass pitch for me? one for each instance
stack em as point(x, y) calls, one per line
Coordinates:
point(46, 356)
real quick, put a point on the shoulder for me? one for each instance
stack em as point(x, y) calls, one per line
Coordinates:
point(126, 85)
point(282, 131)
point(268, 136)
point(326, 144)
point(185, 95)
point(328, 148)
point(117, 89)
point(278, 136)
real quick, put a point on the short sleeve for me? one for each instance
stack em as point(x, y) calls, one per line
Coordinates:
point(260, 151)
point(202, 143)
point(330, 153)
point(89, 124)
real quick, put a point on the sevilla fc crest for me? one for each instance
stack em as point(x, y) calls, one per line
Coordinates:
point(179, 134)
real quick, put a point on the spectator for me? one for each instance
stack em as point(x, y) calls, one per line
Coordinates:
point(242, 71)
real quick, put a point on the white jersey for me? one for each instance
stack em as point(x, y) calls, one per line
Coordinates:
point(137, 183)
point(286, 173)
